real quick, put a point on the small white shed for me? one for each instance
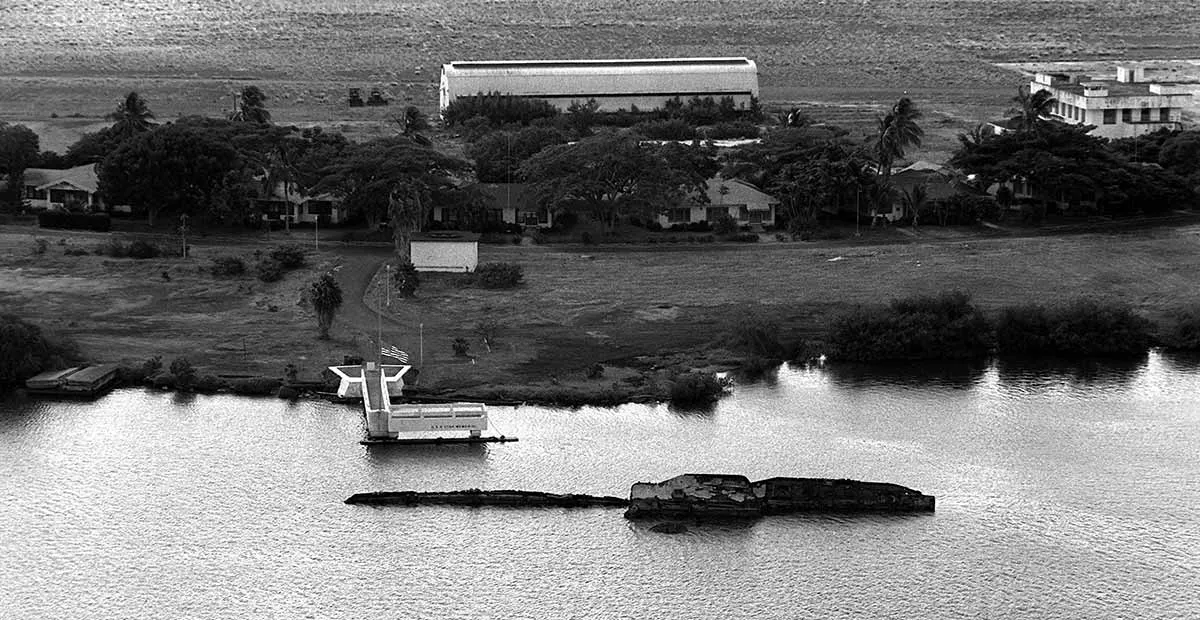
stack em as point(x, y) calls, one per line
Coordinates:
point(449, 250)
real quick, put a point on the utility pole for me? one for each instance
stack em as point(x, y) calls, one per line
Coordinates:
point(183, 231)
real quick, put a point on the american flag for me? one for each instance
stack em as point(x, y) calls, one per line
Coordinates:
point(395, 353)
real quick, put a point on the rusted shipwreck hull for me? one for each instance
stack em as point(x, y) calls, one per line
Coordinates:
point(733, 496)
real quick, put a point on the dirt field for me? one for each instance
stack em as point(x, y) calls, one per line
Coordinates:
point(77, 57)
point(581, 304)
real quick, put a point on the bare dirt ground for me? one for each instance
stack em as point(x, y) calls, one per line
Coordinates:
point(77, 57)
point(638, 306)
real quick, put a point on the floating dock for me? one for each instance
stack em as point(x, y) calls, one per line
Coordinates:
point(79, 381)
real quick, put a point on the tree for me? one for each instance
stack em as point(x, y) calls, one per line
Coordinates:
point(132, 117)
point(896, 133)
point(614, 174)
point(412, 123)
point(25, 351)
point(1030, 108)
point(18, 151)
point(175, 168)
point(498, 155)
point(392, 180)
point(1063, 163)
point(914, 201)
point(326, 298)
point(582, 116)
point(251, 108)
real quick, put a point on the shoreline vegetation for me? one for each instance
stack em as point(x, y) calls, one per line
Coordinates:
point(673, 356)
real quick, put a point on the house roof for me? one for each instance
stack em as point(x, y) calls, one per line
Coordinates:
point(82, 177)
point(446, 236)
point(736, 192)
point(505, 195)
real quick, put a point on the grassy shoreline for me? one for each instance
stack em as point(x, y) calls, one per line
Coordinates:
point(642, 312)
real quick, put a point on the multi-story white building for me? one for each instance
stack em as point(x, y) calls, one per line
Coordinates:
point(1125, 107)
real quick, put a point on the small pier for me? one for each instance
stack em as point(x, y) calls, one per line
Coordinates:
point(409, 423)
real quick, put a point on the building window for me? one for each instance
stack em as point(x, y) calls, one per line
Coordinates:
point(33, 193)
point(1164, 115)
point(712, 214)
point(1126, 115)
point(1110, 117)
point(1145, 115)
point(743, 213)
point(323, 207)
point(679, 215)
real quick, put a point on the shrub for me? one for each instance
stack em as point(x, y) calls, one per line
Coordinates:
point(461, 346)
point(757, 334)
point(729, 131)
point(255, 386)
point(288, 256)
point(595, 371)
point(142, 250)
point(152, 366)
point(744, 238)
point(99, 222)
point(113, 248)
point(672, 129)
point(228, 266)
point(945, 326)
point(725, 224)
point(269, 270)
point(25, 350)
point(499, 275)
point(164, 380)
point(1083, 327)
point(75, 251)
point(585, 238)
point(183, 371)
point(498, 109)
point(1184, 333)
point(406, 279)
point(209, 384)
point(696, 388)
point(39, 246)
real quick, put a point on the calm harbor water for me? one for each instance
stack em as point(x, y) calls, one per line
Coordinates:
point(1062, 493)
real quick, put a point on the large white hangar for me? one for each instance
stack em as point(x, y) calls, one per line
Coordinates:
point(615, 84)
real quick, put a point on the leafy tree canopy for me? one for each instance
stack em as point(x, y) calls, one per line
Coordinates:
point(615, 174)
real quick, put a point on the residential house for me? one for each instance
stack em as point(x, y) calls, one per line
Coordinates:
point(47, 188)
point(743, 202)
point(939, 182)
point(504, 203)
point(287, 202)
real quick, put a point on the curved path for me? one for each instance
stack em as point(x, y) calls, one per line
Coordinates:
point(357, 315)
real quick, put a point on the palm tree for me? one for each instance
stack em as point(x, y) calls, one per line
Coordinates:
point(898, 131)
point(326, 297)
point(915, 200)
point(251, 108)
point(1031, 107)
point(132, 116)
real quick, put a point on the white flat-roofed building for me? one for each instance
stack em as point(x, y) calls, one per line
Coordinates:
point(646, 83)
point(1128, 106)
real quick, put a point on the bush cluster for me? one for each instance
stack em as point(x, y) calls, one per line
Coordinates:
point(288, 256)
point(1084, 327)
point(948, 326)
point(25, 350)
point(99, 222)
point(269, 270)
point(228, 266)
point(499, 275)
point(137, 248)
point(945, 326)
point(498, 109)
point(1184, 333)
point(699, 388)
